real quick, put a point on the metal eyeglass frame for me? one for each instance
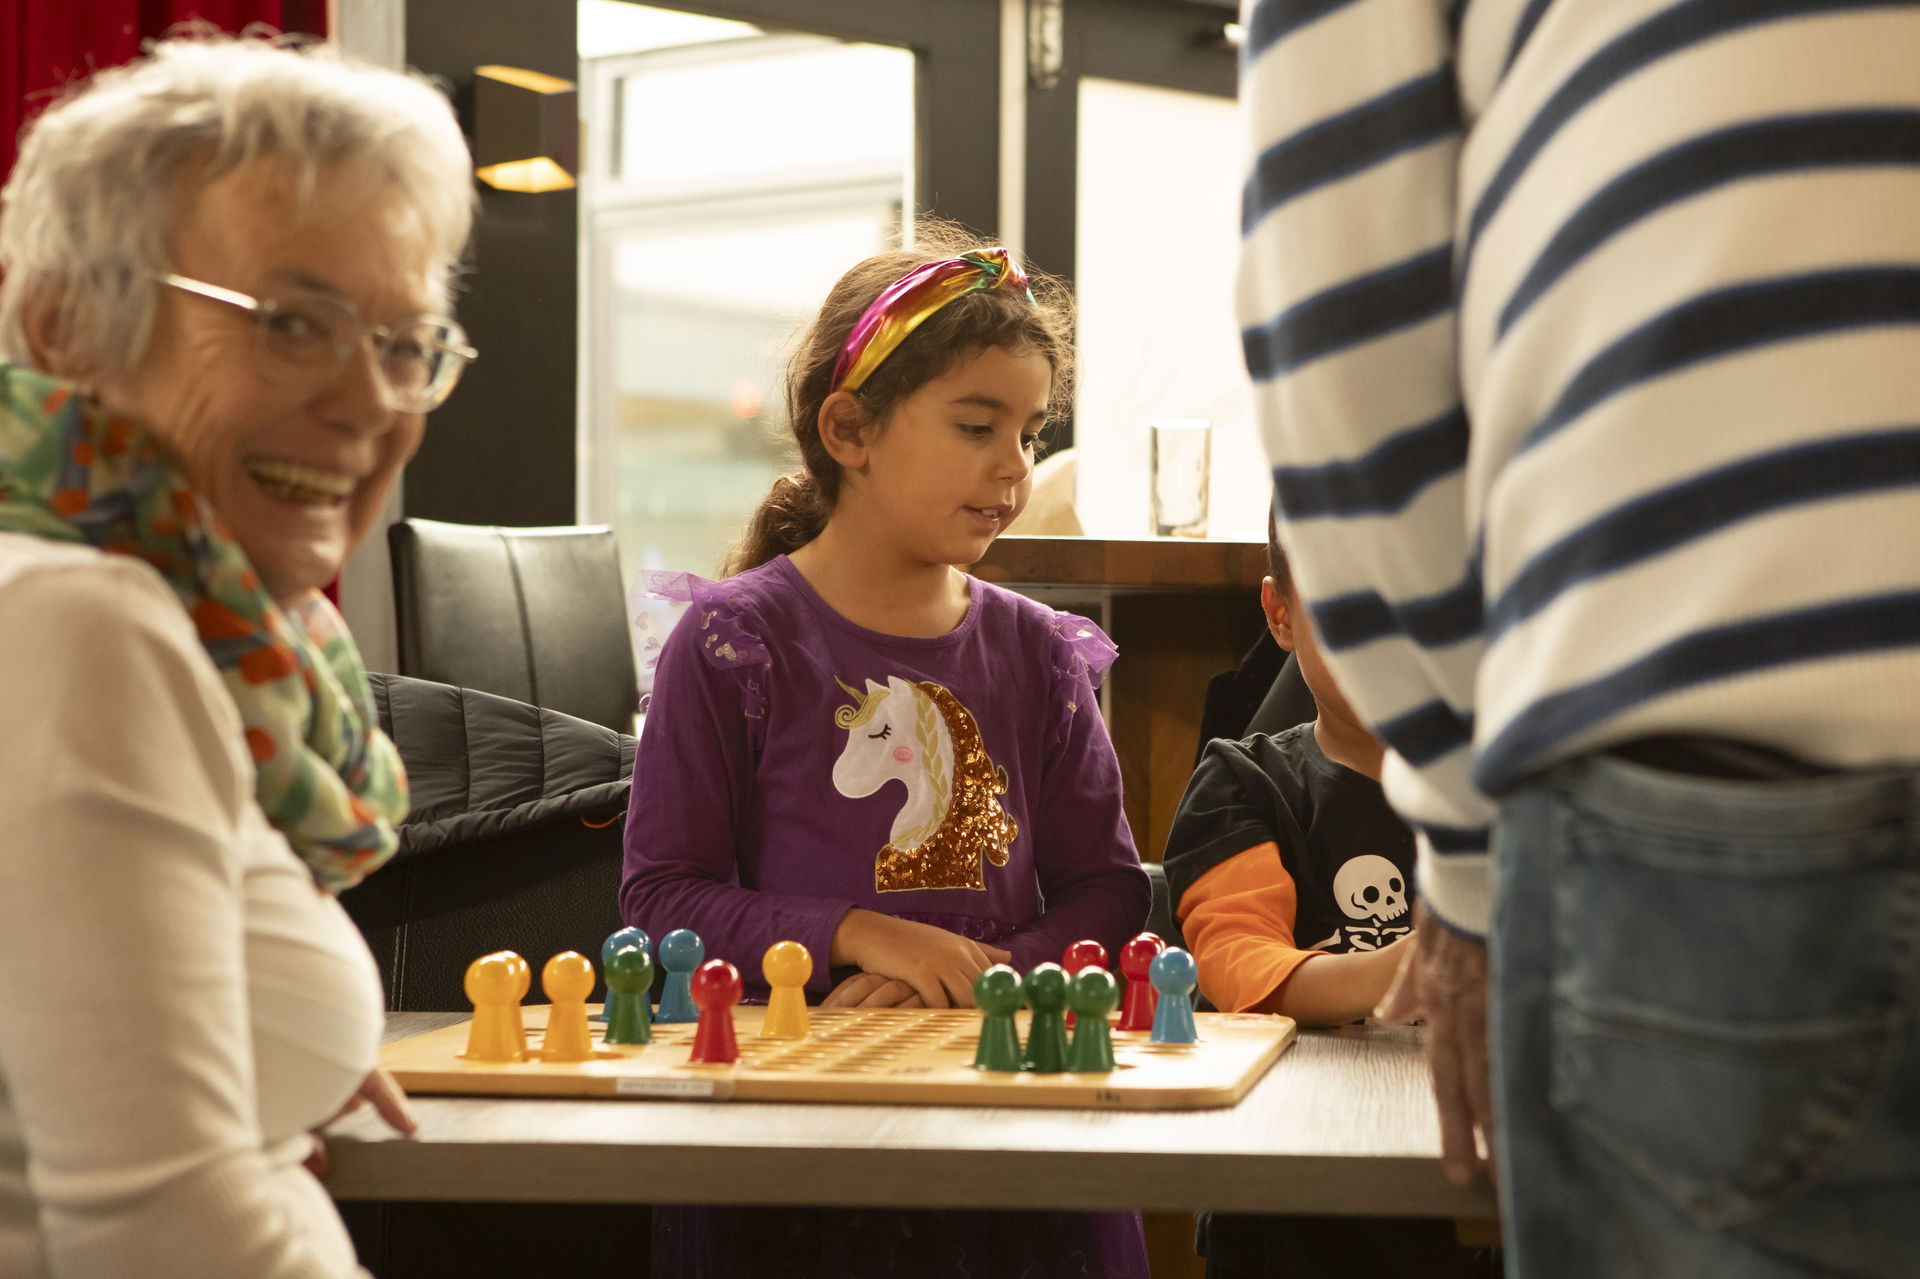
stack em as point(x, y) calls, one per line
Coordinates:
point(263, 309)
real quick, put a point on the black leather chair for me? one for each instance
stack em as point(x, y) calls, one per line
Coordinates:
point(535, 614)
point(1160, 918)
point(1265, 694)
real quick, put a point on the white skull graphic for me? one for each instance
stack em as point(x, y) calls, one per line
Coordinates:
point(1370, 887)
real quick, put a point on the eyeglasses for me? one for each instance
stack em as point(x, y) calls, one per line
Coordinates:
point(306, 339)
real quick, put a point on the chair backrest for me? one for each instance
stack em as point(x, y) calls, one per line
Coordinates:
point(1160, 916)
point(535, 614)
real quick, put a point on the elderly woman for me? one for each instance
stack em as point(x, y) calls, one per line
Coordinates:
point(222, 322)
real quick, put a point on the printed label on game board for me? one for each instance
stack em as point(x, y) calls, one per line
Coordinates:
point(666, 1087)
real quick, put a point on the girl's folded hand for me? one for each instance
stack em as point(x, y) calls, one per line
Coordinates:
point(940, 966)
point(871, 990)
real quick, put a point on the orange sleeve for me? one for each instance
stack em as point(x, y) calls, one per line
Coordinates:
point(1238, 920)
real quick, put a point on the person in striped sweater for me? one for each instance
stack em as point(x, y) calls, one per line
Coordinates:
point(1586, 340)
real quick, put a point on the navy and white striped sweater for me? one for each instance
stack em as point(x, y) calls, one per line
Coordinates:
point(1586, 340)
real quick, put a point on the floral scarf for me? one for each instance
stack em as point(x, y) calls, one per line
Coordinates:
point(325, 775)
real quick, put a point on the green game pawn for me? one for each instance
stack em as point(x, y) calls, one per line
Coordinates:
point(1046, 992)
point(629, 1016)
point(996, 993)
point(1093, 995)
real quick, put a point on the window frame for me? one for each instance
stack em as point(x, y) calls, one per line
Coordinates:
point(957, 88)
point(1172, 44)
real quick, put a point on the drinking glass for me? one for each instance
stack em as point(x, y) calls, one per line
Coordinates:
point(1182, 450)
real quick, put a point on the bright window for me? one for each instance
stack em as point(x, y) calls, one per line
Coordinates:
point(724, 194)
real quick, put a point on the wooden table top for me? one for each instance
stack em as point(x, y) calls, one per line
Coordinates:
point(1160, 565)
point(1343, 1123)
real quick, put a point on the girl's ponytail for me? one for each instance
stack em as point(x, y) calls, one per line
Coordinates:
point(791, 515)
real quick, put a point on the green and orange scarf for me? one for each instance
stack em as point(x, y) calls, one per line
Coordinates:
point(325, 774)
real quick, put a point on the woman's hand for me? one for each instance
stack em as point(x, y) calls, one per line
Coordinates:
point(389, 1101)
point(938, 965)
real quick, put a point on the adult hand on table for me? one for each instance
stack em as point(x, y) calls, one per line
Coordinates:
point(1444, 979)
point(389, 1101)
point(940, 966)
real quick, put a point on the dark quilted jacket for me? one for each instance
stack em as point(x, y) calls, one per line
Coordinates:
point(513, 842)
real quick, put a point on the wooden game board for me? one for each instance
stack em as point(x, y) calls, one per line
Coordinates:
point(889, 1056)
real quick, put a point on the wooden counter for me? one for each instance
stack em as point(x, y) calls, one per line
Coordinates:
point(1158, 565)
point(1182, 611)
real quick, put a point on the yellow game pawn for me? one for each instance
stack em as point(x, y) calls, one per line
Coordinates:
point(496, 984)
point(787, 966)
point(568, 980)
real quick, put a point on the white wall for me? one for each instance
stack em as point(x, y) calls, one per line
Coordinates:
point(1159, 243)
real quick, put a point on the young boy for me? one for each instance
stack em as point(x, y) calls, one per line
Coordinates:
point(1292, 881)
point(1290, 875)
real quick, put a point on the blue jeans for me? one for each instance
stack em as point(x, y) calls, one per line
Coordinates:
point(1704, 997)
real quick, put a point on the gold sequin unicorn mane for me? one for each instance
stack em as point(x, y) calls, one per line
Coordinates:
point(920, 735)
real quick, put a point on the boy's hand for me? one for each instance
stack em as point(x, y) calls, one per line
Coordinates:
point(1393, 959)
point(1338, 989)
point(1444, 979)
point(940, 966)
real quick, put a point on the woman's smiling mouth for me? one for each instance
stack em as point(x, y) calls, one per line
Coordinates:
point(305, 485)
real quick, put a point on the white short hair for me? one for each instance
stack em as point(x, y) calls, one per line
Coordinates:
point(87, 215)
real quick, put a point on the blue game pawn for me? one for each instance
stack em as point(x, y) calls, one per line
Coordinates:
point(681, 951)
point(616, 942)
point(1173, 975)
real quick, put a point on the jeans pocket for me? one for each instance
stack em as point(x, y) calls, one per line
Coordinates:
point(1727, 1000)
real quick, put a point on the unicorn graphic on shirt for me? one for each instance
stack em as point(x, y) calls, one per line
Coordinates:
point(919, 735)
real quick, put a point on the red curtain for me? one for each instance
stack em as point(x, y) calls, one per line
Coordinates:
point(46, 44)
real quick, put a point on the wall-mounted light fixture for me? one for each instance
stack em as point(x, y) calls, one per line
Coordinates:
point(526, 129)
point(1046, 42)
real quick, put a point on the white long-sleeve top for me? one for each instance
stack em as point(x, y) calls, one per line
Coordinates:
point(1586, 341)
point(179, 1005)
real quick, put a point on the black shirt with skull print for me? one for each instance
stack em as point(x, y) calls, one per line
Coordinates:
point(1349, 856)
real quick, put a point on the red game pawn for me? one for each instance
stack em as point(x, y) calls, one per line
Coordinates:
point(1082, 954)
point(1135, 958)
point(716, 989)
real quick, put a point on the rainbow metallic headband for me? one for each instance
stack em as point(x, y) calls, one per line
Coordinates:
point(909, 300)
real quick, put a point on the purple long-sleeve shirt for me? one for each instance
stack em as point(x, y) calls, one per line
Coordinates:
point(795, 765)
